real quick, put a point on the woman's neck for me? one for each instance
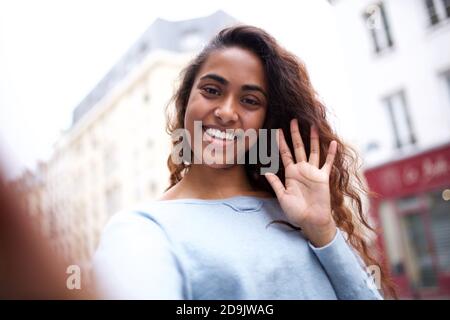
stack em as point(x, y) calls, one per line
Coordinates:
point(204, 182)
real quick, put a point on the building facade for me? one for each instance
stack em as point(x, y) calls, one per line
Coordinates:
point(398, 60)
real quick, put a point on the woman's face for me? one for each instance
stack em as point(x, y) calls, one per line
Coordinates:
point(229, 92)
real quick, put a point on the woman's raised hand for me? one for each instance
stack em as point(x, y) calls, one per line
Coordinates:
point(305, 197)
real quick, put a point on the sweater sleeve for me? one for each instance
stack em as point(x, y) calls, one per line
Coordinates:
point(135, 261)
point(346, 273)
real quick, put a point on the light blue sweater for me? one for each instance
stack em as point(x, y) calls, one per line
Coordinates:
point(222, 249)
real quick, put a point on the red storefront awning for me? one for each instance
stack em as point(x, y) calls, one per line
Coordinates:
point(415, 174)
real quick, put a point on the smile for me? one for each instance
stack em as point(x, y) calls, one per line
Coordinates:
point(219, 134)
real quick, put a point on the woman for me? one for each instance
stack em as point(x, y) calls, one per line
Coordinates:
point(223, 230)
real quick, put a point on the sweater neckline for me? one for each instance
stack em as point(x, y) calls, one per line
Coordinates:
point(237, 203)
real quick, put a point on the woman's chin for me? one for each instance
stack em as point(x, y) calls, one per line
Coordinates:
point(219, 163)
point(220, 166)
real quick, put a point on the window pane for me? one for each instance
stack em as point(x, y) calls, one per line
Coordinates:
point(447, 7)
point(440, 228)
point(432, 13)
point(422, 263)
point(378, 25)
point(386, 28)
point(447, 81)
point(400, 119)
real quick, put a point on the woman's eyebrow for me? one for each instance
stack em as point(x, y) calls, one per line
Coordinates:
point(215, 77)
point(223, 81)
point(252, 87)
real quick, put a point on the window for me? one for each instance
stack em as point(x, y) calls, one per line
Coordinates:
point(444, 84)
point(440, 229)
point(437, 10)
point(378, 26)
point(146, 98)
point(400, 119)
point(418, 247)
point(446, 79)
point(432, 14)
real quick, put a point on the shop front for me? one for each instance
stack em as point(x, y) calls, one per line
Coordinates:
point(412, 212)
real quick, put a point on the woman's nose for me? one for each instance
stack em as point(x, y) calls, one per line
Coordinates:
point(226, 112)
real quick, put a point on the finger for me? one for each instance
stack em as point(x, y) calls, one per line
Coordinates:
point(299, 148)
point(314, 155)
point(275, 183)
point(286, 155)
point(330, 157)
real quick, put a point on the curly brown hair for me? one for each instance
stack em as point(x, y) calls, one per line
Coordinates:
point(290, 95)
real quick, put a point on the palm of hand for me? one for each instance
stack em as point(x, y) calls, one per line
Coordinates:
point(305, 198)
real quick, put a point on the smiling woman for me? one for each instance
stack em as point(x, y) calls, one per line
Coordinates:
point(228, 94)
point(223, 230)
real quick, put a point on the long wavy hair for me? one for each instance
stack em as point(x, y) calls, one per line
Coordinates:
point(290, 95)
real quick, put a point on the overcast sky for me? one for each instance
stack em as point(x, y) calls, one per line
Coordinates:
point(52, 53)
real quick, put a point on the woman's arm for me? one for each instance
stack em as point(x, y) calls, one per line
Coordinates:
point(306, 201)
point(347, 275)
point(135, 261)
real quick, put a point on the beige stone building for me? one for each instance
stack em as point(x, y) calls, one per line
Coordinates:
point(115, 152)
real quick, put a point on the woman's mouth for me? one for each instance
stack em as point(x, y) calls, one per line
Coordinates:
point(217, 136)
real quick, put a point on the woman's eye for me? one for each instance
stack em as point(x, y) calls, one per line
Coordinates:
point(211, 91)
point(250, 101)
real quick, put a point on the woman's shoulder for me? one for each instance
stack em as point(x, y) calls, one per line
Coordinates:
point(155, 211)
point(150, 209)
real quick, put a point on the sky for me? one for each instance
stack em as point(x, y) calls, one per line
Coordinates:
point(52, 53)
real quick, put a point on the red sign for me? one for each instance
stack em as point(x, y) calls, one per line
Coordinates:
point(416, 174)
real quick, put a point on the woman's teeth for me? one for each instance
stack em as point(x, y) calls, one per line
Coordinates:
point(215, 133)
